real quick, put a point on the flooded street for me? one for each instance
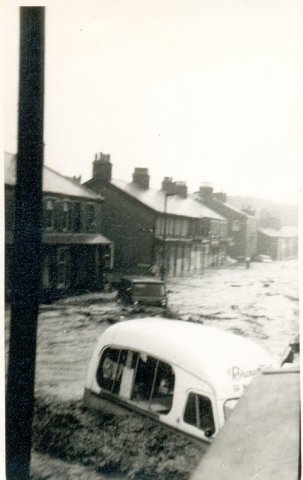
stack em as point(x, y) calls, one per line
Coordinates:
point(260, 303)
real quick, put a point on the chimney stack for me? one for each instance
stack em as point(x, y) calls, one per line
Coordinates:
point(141, 178)
point(221, 196)
point(168, 186)
point(178, 188)
point(181, 189)
point(206, 192)
point(102, 167)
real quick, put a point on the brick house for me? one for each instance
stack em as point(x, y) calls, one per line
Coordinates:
point(75, 255)
point(241, 225)
point(143, 221)
point(279, 244)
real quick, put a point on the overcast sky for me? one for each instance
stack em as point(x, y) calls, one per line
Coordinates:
point(200, 90)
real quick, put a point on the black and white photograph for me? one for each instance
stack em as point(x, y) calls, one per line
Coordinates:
point(152, 190)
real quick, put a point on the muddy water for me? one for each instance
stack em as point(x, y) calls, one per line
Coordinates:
point(260, 302)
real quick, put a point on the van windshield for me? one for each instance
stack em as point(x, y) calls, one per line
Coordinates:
point(149, 289)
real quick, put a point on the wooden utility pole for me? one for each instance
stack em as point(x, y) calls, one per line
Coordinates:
point(27, 246)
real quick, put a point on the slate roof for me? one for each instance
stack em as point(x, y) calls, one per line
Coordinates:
point(224, 205)
point(285, 231)
point(176, 205)
point(59, 238)
point(235, 209)
point(53, 182)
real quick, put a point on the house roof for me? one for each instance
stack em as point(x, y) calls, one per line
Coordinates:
point(223, 205)
point(75, 239)
point(53, 182)
point(59, 238)
point(270, 232)
point(235, 209)
point(208, 353)
point(284, 232)
point(176, 205)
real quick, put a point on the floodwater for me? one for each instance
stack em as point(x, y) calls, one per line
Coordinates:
point(260, 303)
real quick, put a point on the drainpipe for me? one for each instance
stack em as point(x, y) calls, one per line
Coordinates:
point(166, 194)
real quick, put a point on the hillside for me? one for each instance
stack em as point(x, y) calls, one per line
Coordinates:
point(288, 214)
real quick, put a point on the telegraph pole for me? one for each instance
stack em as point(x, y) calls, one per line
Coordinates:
point(27, 246)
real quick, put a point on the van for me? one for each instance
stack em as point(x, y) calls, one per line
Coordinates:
point(185, 375)
point(142, 290)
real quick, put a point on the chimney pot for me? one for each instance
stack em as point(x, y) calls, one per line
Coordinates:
point(206, 192)
point(141, 178)
point(102, 167)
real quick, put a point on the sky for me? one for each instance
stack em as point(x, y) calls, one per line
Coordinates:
point(198, 90)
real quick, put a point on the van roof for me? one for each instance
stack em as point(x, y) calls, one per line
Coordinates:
point(221, 358)
point(138, 279)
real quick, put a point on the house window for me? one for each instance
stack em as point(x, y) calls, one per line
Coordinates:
point(206, 226)
point(63, 266)
point(142, 380)
point(236, 226)
point(199, 413)
point(184, 227)
point(77, 217)
point(67, 216)
point(90, 217)
point(49, 214)
point(178, 227)
point(160, 226)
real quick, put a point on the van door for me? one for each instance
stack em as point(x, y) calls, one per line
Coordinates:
point(199, 415)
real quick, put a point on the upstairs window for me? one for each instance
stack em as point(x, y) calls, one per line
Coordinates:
point(67, 216)
point(160, 226)
point(90, 217)
point(49, 213)
point(205, 226)
point(77, 217)
point(178, 227)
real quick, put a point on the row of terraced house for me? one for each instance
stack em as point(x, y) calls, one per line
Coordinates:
point(107, 225)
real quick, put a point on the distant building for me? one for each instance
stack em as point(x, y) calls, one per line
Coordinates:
point(279, 244)
point(74, 253)
point(190, 236)
point(241, 225)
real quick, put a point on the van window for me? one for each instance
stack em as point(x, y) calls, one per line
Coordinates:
point(137, 377)
point(154, 384)
point(199, 412)
point(110, 369)
point(149, 289)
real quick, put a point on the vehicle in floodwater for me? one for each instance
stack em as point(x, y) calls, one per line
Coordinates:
point(185, 375)
point(142, 290)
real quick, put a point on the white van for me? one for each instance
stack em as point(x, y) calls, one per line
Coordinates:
point(183, 374)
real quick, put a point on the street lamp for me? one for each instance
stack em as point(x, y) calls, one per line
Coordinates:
point(166, 194)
